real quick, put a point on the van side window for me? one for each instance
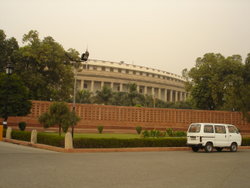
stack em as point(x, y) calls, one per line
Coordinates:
point(208, 129)
point(220, 129)
point(232, 129)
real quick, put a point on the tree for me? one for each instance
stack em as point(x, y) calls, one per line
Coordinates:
point(59, 115)
point(13, 97)
point(212, 79)
point(45, 68)
point(103, 96)
point(83, 96)
point(7, 47)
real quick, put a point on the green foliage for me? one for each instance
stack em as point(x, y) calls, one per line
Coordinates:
point(100, 129)
point(103, 96)
point(83, 96)
point(60, 115)
point(45, 68)
point(22, 125)
point(13, 97)
point(126, 143)
point(21, 135)
point(7, 47)
point(170, 132)
point(53, 140)
point(153, 133)
point(245, 141)
point(138, 129)
point(212, 80)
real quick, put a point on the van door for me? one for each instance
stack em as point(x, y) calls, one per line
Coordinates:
point(233, 134)
point(221, 137)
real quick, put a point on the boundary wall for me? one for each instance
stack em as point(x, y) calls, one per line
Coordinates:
point(127, 118)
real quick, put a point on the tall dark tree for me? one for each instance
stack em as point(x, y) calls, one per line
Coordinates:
point(7, 47)
point(45, 68)
point(212, 79)
point(13, 97)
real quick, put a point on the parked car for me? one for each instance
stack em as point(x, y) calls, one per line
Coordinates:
point(211, 135)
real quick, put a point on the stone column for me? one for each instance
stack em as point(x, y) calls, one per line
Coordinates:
point(145, 90)
point(92, 86)
point(33, 138)
point(68, 141)
point(8, 132)
point(102, 84)
point(159, 93)
point(170, 95)
point(166, 95)
point(112, 85)
point(121, 88)
point(153, 92)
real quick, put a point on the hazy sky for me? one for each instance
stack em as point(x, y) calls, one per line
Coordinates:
point(163, 34)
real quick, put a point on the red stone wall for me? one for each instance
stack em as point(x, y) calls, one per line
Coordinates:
point(120, 117)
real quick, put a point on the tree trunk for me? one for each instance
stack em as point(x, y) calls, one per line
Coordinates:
point(60, 130)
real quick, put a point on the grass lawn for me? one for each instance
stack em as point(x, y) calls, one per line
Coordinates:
point(96, 135)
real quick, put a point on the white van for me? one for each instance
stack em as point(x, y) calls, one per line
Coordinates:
point(213, 135)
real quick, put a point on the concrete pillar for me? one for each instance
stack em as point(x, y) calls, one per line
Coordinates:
point(145, 90)
point(68, 141)
point(112, 85)
point(159, 93)
point(102, 84)
point(153, 92)
point(8, 132)
point(166, 95)
point(92, 86)
point(33, 138)
point(170, 95)
point(138, 88)
point(80, 85)
point(121, 88)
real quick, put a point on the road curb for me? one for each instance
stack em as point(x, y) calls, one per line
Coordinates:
point(95, 150)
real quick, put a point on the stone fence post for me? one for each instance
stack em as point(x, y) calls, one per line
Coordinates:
point(33, 138)
point(68, 141)
point(8, 132)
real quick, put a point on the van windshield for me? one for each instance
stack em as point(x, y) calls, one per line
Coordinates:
point(194, 128)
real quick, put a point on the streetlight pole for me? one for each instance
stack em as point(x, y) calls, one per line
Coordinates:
point(9, 71)
point(84, 57)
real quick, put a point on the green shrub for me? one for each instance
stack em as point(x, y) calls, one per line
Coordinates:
point(145, 133)
point(53, 140)
point(246, 141)
point(126, 143)
point(170, 132)
point(138, 129)
point(21, 135)
point(100, 129)
point(179, 133)
point(22, 125)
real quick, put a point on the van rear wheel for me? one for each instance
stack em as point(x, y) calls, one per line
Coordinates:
point(219, 149)
point(209, 147)
point(195, 149)
point(233, 147)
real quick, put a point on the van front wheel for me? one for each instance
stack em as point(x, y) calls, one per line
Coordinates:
point(208, 147)
point(233, 147)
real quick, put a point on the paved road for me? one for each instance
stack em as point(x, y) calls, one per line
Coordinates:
point(24, 167)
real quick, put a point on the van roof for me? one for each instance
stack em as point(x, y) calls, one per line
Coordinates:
point(213, 123)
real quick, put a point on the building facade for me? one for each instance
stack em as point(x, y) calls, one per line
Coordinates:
point(94, 74)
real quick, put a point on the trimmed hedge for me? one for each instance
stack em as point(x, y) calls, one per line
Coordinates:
point(53, 140)
point(128, 143)
point(21, 135)
point(245, 141)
